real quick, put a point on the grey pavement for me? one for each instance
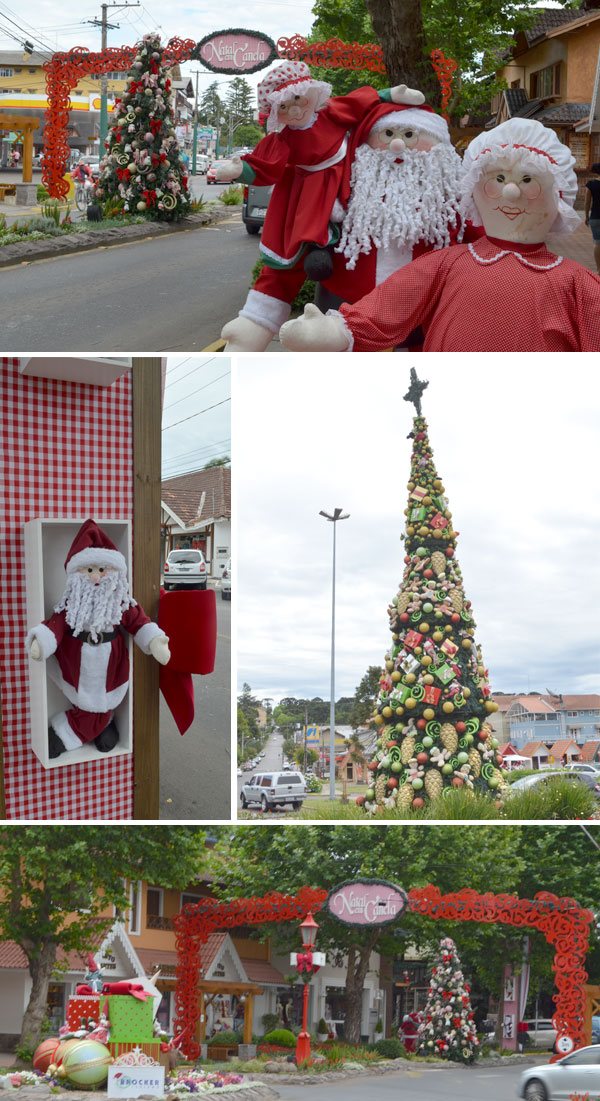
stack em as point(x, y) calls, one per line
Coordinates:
point(452, 1083)
point(195, 770)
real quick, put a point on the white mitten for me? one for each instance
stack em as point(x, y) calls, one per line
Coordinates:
point(35, 650)
point(244, 335)
point(402, 94)
point(159, 648)
point(314, 332)
point(229, 170)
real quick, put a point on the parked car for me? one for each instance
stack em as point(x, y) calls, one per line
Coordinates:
point(583, 766)
point(255, 201)
point(186, 568)
point(596, 1030)
point(578, 1073)
point(226, 582)
point(271, 789)
point(211, 175)
point(588, 778)
point(540, 1034)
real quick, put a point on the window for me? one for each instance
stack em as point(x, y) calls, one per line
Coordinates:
point(154, 902)
point(546, 82)
point(135, 898)
point(188, 897)
point(266, 781)
point(6, 72)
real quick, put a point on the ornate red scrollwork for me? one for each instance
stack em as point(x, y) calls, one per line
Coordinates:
point(564, 923)
point(444, 68)
point(195, 924)
point(333, 54)
point(63, 72)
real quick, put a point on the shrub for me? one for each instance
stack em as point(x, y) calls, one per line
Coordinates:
point(313, 784)
point(51, 210)
point(461, 803)
point(322, 1027)
point(281, 1036)
point(41, 193)
point(232, 196)
point(557, 798)
point(390, 1049)
point(269, 1021)
point(198, 205)
point(227, 1036)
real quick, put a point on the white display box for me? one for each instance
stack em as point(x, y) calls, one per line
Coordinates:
point(95, 370)
point(47, 544)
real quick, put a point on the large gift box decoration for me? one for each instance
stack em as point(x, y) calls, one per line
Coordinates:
point(131, 1020)
point(151, 1051)
point(82, 1008)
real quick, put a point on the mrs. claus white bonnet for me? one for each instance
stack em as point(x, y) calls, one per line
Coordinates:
point(537, 149)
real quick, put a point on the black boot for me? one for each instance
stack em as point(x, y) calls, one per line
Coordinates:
point(318, 264)
point(108, 739)
point(55, 746)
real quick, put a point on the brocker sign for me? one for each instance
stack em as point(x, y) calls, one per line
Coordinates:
point(366, 902)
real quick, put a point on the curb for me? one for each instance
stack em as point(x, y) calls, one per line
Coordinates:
point(28, 251)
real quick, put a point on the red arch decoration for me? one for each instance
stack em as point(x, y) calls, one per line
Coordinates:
point(564, 923)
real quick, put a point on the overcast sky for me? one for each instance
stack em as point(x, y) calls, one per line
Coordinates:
point(62, 24)
point(193, 433)
point(515, 439)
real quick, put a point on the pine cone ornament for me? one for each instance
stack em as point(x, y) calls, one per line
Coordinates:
point(439, 563)
point(456, 599)
point(407, 749)
point(449, 737)
point(405, 797)
point(434, 783)
point(475, 762)
point(380, 789)
point(403, 602)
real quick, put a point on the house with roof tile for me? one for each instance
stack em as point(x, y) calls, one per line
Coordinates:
point(196, 512)
point(552, 73)
point(552, 719)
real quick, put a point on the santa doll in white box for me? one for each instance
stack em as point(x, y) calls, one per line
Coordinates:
point(304, 156)
point(86, 635)
point(505, 292)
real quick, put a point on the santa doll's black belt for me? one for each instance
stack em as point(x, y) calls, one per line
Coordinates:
point(103, 636)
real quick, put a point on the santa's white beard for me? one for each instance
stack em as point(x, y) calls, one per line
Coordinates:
point(416, 200)
point(95, 608)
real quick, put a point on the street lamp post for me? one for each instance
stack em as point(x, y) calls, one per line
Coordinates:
point(338, 514)
point(307, 963)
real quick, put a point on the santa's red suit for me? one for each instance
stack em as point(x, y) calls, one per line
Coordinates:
point(487, 296)
point(307, 167)
point(94, 676)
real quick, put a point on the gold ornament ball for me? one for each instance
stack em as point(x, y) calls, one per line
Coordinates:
point(466, 644)
point(447, 707)
point(426, 660)
point(437, 636)
point(396, 676)
point(410, 703)
point(387, 712)
point(378, 719)
point(428, 679)
point(399, 710)
point(410, 678)
point(424, 628)
point(429, 713)
point(490, 706)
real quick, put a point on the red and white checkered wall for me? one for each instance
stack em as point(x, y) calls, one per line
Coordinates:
point(65, 450)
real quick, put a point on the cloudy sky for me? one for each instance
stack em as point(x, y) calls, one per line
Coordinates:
point(62, 24)
point(515, 439)
point(196, 413)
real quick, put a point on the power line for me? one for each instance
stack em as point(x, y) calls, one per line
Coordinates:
point(199, 414)
point(205, 387)
point(197, 451)
point(168, 476)
point(198, 367)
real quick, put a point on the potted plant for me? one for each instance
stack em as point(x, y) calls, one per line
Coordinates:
point(322, 1031)
point(379, 1029)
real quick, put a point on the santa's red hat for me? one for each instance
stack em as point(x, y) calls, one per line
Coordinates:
point(92, 547)
point(285, 81)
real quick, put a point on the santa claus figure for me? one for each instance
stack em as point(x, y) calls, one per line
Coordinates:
point(86, 635)
point(304, 156)
point(503, 293)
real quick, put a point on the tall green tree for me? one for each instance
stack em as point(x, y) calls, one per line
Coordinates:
point(211, 107)
point(57, 882)
point(240, 100)
point(365, 696)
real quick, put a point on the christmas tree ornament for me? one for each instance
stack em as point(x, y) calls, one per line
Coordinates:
point(520, 184)
point(448, 1026)
point(45, 1054)
point(86, 635)
point(86, 1063)
point(146, 112)
point(445, 740)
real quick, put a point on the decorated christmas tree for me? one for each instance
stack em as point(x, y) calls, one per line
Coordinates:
point(142, 167)
point(448, 1028)
point(434, 696)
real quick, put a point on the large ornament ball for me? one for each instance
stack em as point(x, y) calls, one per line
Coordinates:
point(87, 1063)
point(447, 707)
point(396, 766)
point(447, 769)
point(141, 205)
point(45, 1054)
point(61, 1051)
point(392, 782)
point(427, 741)
point(132, 167)
point(490, 706)
point(417, 783)
point(370, 794)
point(418, 803)
point(463, 758)
point(421, 552)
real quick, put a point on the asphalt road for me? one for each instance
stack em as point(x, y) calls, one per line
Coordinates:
point(161, 294)
point(273, 759)
point(195, 770)
point(425, 1084)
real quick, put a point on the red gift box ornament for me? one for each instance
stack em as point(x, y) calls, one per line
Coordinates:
point(412, 639)
point(189, 619)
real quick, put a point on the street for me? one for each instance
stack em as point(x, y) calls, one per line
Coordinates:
point(195, 769)
point(496, 1083)
point(272, 761)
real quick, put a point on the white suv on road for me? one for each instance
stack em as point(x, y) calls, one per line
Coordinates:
point(273, 788)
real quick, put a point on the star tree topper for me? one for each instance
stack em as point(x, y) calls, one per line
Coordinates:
point(413, 394)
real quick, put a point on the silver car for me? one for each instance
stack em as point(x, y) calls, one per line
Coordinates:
point(226, 582)
point(578, 1073)
point(186, 568)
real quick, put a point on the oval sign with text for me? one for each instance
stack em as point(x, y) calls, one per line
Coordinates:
point(366, 902)
point(236, 51)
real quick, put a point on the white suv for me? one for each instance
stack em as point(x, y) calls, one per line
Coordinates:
point(185, 567)
point(271, 788)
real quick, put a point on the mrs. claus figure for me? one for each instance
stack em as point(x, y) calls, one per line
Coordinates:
point(86, 634)
point(503, 293)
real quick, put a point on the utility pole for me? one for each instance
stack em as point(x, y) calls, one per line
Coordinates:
point(105, 26)
point(195, 138)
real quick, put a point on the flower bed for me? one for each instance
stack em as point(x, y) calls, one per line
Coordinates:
point(196, 1081)
point(15, 1079)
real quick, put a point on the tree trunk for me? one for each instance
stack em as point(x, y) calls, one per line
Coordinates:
point(358, 965)
point(398, 25)
point(40, 969)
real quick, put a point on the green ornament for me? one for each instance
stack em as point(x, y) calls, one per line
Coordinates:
point(463, 758)
point(422, 552)
point(447, 769)
point(417, 783)
point(427, 607)
point(396, 766)
point(427, 742)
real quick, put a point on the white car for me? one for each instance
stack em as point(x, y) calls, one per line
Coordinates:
point(273, 788)
point(576, 1074)
point(541, 1033)
point(226, 582)
point(583, 766)
point(186, 568)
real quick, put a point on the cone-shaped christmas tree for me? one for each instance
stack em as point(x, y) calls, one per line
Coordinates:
point(434, 696)
point(448, 1029)
point(142, 166)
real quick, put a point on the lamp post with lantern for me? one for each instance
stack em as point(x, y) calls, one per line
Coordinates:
point(307, 963)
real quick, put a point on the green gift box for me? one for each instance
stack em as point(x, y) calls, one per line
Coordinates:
point(131, 1021)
